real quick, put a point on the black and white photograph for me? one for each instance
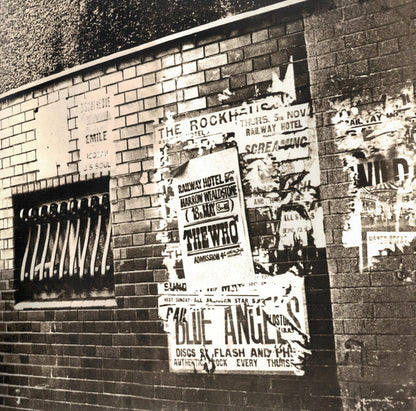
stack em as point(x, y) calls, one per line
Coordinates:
point(208, 205)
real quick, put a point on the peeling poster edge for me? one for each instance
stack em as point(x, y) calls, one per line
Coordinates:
point(256, 321)
point(379, 150)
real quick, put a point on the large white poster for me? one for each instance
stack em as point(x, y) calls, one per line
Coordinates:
point(258, 326)
point(53, 140)
point(212, 223)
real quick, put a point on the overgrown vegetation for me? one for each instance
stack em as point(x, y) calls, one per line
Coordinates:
point(39, 38)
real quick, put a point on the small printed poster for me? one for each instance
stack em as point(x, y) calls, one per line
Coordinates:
point(212, 224)
point(381, 243)
point(96, 142)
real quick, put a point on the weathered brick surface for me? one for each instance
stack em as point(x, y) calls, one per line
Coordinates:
point(361, 54)
point(117, 358)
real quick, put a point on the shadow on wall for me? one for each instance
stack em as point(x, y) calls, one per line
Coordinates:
point(317, 289)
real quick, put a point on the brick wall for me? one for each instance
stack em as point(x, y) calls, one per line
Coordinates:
point(359, 51)
point(117, 358)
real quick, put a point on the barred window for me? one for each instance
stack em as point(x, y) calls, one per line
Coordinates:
point(64, 249)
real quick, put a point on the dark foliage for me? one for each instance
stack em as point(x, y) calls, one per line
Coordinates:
point(39, 38)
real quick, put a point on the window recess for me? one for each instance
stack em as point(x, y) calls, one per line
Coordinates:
point(64, 249)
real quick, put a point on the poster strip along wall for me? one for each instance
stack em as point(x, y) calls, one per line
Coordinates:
point(250, 227)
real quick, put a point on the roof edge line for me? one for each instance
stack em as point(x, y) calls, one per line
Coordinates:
point(172, 37)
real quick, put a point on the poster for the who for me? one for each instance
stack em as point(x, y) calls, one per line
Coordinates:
point(211, 220)
point(243, 227)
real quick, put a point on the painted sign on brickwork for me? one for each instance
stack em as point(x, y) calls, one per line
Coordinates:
point(96, 140)
point(380, 144)
point(212, 223)
point(249, 320)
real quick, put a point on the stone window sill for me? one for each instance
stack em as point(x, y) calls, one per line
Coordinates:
point(66, 304)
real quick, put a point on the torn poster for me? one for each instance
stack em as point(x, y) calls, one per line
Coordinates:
point(281, 179)
point(380, 156)
point(252, 327)
point(256, 320)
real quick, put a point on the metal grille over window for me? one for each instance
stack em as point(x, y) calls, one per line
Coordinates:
point(65, 249)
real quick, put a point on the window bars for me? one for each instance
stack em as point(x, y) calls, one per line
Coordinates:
point(66, 240)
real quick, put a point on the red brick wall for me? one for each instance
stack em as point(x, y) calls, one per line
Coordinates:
point(362, 50)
